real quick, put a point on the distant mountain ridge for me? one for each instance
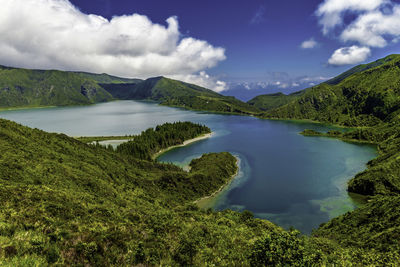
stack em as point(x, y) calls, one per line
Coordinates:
point(275, 100)
point(25, 88)
point(180, 94)
point(367, 98)
point(31, 88)
point(365, 95)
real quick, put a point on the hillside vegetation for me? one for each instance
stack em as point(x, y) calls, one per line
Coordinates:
point(151, 141)
point(271, 101)
point(367, 97)
point(106, 78)
point(31, 88)
point(364, 98)
point(34, 88)
point(179, 94)
point(68, 203)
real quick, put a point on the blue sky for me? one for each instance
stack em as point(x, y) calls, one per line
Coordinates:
point(259, 36)
point(211, 43)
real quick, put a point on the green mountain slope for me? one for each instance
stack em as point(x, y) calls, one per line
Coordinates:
point(106, 78)
point(23, 88)
point(31, 88)
point(69, 203)
point(367, 97)
point(176, 93)
point(271, 101)
point(362, 99)
point(361, 68)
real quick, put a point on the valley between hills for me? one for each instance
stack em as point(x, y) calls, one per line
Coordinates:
point(66, 202)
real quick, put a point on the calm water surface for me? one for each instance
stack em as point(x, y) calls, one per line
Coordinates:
point(284, 177)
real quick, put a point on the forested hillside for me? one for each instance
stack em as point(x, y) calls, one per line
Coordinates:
point(367, 97)
point(151, 141)
point(271, 101)
point(363, 98)
point(35, 88)
point(32, 88)
point(69, 203)
point(176, 93)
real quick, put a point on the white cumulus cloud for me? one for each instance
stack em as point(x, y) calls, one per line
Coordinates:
point(373, 28)
point(368, 23)
point(54, 34)
point(309, 44)
point(349, 55)
point(331, 11)
point(202, 79)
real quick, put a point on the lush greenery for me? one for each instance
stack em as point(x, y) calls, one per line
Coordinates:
point(361, 68)
point(364, 98)
point(23, 88)
point(374, 228)
point(367, 97)
point(93, 139)
point(151, 141)
point(176, 93)
point(271, 101)
point(69, 203)
point(33, 88)
point(66, 202)
point(107, 79)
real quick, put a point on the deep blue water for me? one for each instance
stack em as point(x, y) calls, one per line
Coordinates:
point(284, 177)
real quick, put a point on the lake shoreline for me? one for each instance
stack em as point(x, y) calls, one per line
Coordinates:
point(185, 143)
point(199, 201)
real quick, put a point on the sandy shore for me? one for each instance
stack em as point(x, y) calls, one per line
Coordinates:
point(185, 143)
point(202, 202)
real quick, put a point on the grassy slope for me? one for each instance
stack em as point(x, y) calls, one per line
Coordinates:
point(106, 78)
point(176, 93)
point(361, 68)
point(362, 99)
point(271, 101)
point(22, 87)
point(368, 95)
point(69, 203)
point(32, 88)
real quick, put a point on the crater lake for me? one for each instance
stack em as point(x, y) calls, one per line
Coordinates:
point(284, 177)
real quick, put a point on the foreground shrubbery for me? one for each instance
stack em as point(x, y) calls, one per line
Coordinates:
point(368, 96)
point(65, 202)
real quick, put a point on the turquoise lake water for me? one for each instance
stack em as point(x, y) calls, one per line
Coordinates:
point(284, 177)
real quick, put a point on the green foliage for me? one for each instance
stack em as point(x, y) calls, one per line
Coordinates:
point(22, 87)
point(33, 88)
point(271, 101)
point(361, 68)
point(367, 97)
point(151, 141)
point(279, 249)
point(179, 94)
point(374, 227)
point(107, 79)
point(67, 203)
point(92, 139)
